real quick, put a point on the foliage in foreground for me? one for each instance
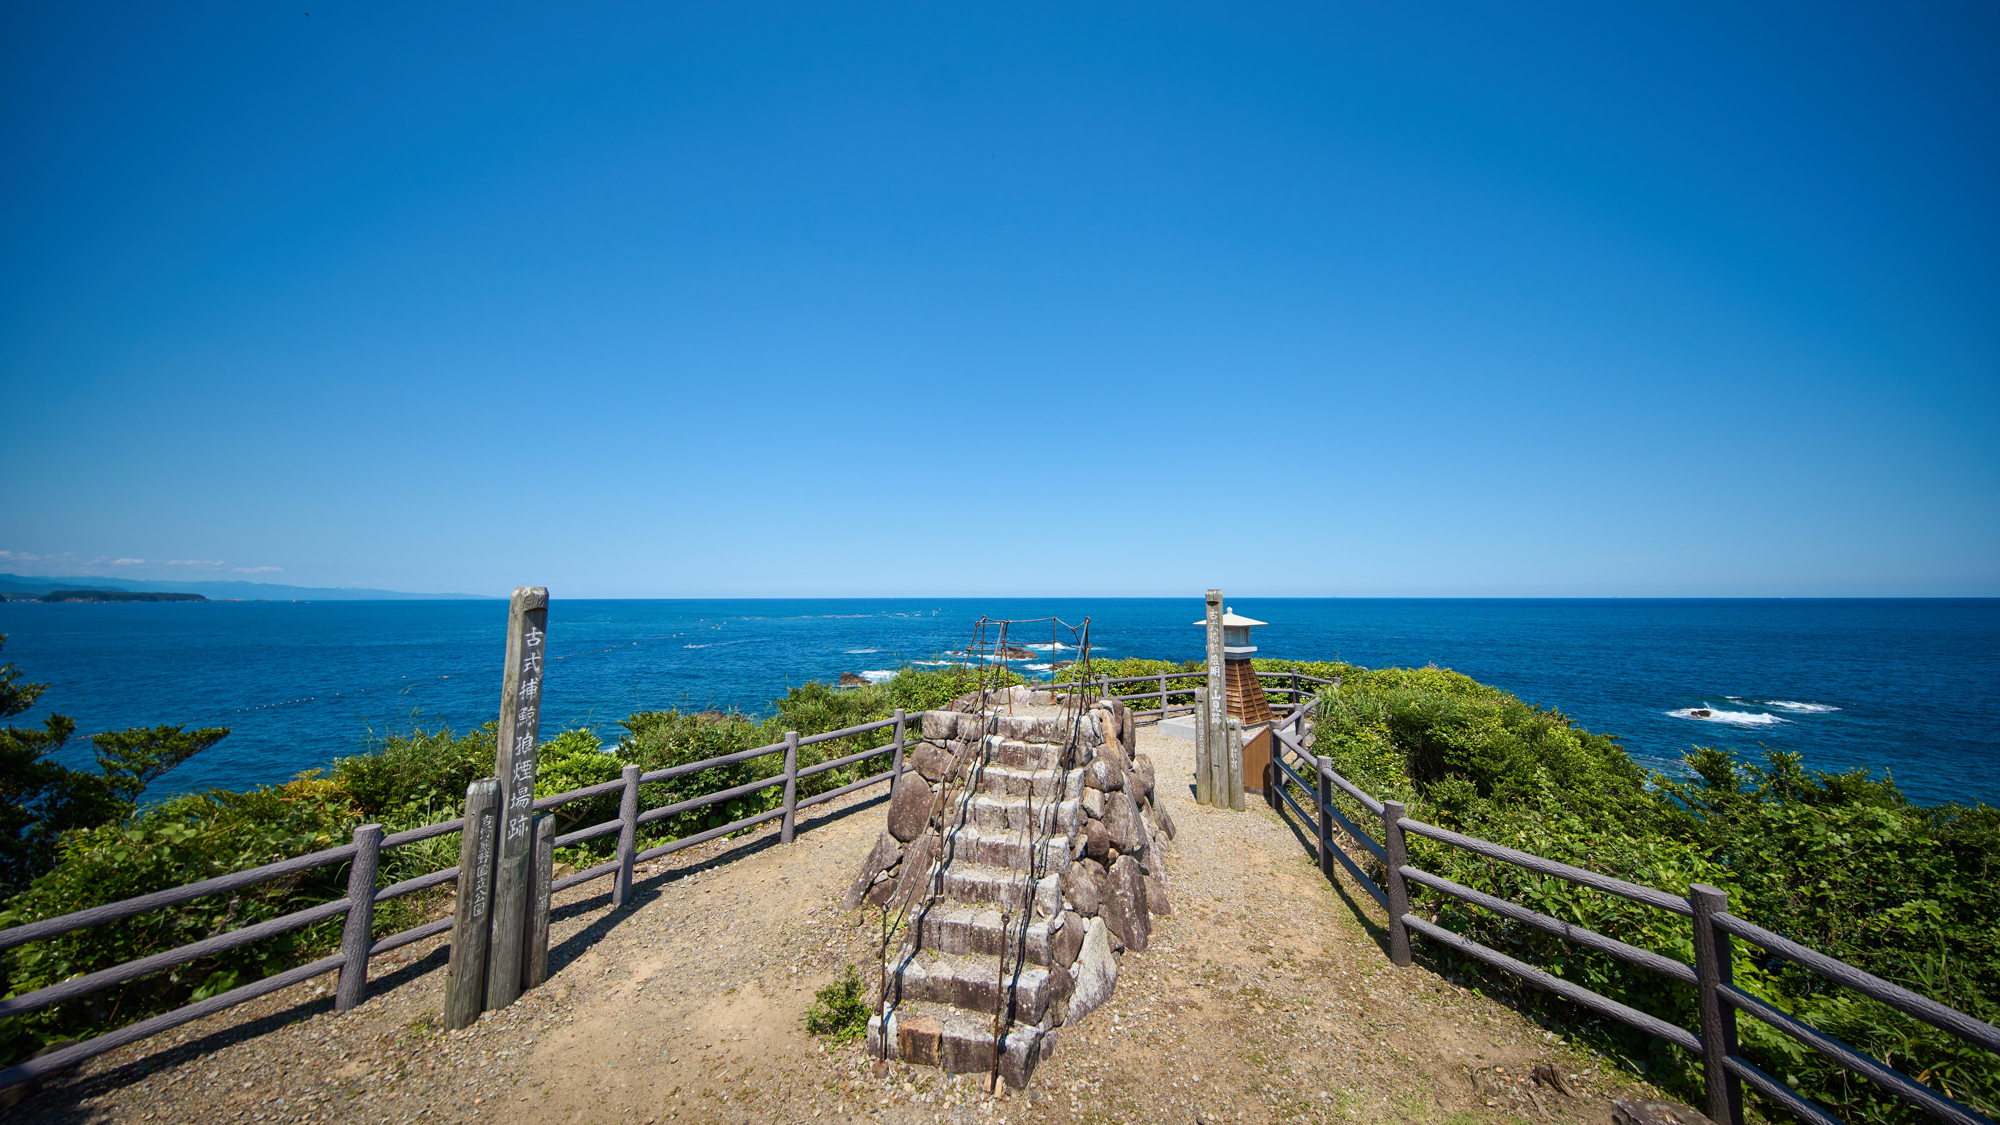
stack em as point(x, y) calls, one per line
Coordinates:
point(838, 1010)
point(1839, 862)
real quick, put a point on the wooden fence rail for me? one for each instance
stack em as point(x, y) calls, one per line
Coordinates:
point(363, 855)
point(1719, 1000)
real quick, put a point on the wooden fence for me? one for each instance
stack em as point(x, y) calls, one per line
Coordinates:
point(363, 855)
point(1706, 908)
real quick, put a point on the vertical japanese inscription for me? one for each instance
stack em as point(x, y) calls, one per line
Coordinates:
point(515, 766)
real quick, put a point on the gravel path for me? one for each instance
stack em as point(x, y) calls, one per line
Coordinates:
point(1264, 997)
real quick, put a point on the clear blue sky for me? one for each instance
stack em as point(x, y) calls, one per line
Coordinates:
point(667, 299)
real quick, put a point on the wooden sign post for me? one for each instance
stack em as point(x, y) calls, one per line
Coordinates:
point(515, 764)
point(1218, 709)
point(465, 976)
point(1204, 753)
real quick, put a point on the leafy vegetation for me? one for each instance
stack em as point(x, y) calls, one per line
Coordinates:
point(1839, 862)
point(80, 840)
point(838, 1010)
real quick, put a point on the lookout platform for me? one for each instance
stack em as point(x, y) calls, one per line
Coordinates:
point(1263, 997)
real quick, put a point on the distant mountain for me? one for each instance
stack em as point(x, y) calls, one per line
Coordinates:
point(16, 586)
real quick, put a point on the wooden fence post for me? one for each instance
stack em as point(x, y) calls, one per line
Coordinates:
point(536, 969)
point(465, 976)
point(1163, 697)
point(1204, 771)
point(628, 836)
point(359, 932)
point(1399, 890)
point(515, 767)
point(1325, 767)
point(1712, 968)
point(896, 769)
point(789, 831)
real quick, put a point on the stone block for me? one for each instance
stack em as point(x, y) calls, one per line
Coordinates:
point(1083, 885)
point(915, 872)
point(1096, 842)
point(1156, 894)
point(1068, 940)
point(1121, 822)
point(931, 763)
point(918, 1039)
point(1093, 803)
point(1124, 909)
point(1105, 773)
point(1139, 779)
point(885, 854)
point(1096, 976)
point(910, 808)
point(940, 725)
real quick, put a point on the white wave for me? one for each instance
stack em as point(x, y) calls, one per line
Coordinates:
point(1037, 667)
point(1796, 707)
point(878, 675)
point(1707, 714)
point(1056, 646)
point(935, 663)
point(858, 651)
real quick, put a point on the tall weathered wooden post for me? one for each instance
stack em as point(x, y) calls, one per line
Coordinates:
point(465, 976)
point(1218, 704)
point(515, 765)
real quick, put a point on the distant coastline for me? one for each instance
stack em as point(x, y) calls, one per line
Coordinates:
point(113, 596)
point(27, 588)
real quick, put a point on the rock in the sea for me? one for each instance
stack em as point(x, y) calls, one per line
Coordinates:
point(1121, 822)
point(1124, 909)
point(1096, 973)
point(930, 762)
point(910, 808)
point(881, 857)
point(1083, 885)
point(851, 679)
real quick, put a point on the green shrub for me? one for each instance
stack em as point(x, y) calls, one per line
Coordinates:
point(838, 1010)
point(1839, 862)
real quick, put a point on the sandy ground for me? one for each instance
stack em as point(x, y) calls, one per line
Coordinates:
point(1265, 997)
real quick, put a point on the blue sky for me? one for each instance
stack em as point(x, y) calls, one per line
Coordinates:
point(710, 300)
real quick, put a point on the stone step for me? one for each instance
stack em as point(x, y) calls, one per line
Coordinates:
point(1042, 784)
point(977, 932)
point(956, 1041)
point(1004, 887)
point(969, 982)
point(996, 813)
point(1015, 754)
point(1006, 848)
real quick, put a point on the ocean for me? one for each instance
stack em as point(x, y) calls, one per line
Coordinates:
point(1909, 686)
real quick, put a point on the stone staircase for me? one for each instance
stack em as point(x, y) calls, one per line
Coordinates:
point(985, 844)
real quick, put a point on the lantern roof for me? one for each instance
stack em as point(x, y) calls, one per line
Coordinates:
point(1230, 619)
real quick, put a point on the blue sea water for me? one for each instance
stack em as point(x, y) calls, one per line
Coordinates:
point(1911, 686)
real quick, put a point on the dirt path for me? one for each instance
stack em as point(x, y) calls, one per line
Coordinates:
point(1265, 997)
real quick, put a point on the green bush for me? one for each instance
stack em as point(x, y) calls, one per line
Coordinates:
point(838, 1010)
point(1839, 862)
